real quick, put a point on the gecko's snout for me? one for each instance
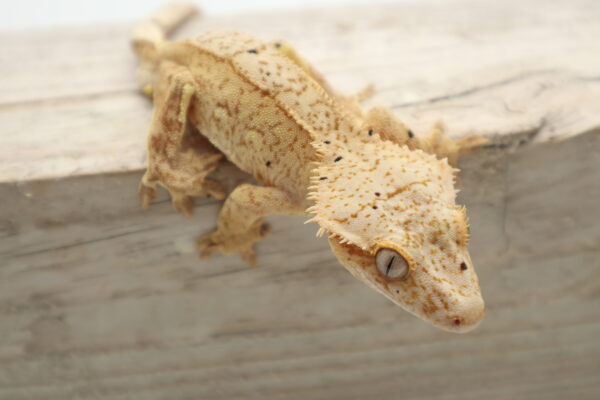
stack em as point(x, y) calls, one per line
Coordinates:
point(467, 315)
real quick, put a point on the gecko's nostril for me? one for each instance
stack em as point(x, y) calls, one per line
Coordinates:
point(468, 314)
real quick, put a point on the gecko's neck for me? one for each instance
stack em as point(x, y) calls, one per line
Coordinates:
point(362, 187)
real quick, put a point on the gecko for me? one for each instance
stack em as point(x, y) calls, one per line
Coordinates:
point(383, 196)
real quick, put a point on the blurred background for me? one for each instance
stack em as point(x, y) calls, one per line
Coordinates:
point(40, 13)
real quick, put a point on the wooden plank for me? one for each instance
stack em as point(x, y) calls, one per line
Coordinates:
point(99, 299)
point(108, 301)
point(519, 70)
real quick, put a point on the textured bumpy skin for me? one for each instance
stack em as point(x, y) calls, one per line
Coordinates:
point(367, 180)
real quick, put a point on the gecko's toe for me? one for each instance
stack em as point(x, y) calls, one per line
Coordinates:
point(183, 204)
point(206, 246)
point(243, 244)
point(146, 194)
point(249, 256)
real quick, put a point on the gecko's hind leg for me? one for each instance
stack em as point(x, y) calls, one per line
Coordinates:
point(241, 223)
point(179, 158)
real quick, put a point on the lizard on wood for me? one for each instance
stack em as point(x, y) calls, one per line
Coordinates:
point(384, 197)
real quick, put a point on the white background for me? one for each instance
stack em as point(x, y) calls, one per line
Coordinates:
point(34, 14)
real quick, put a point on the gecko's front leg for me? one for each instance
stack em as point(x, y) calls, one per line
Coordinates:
point(439, 143)
point(389, 127)
point(241, 223)
point(179, 158)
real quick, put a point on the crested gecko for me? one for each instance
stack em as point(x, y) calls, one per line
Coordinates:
point(384, 197)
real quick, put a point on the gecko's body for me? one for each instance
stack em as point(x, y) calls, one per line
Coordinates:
point(387, 206)
point(239, 116)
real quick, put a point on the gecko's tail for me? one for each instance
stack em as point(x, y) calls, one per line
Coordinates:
point(150, 34)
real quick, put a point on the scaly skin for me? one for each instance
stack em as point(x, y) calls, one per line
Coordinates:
point(368, 182)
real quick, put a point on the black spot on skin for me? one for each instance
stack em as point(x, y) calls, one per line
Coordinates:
point(322, 178)
point(268, 163)
point(277, 45)
point(463, 266)
point(411, 134)
point(268, 74)
point(370, 132)
point(377, 194)
point(338, 158)
point(457, 321)
point(252, 51)
point(375, 207)
point(327, 142)
point(397, 291)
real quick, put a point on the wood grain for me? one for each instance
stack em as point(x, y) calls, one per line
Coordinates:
point(101, 300)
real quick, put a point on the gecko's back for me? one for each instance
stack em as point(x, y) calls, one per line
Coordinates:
point(248, 117)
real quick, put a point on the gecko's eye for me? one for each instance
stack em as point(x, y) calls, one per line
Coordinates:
point(391, 264)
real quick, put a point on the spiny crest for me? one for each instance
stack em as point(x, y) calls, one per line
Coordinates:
point(464, 228)
point(365, 193)
point(288, 84)
point(227, 43)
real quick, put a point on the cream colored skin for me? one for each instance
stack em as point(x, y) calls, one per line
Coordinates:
point(367, 181)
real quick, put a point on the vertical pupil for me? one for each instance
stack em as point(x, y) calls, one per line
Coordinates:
point(389, 266)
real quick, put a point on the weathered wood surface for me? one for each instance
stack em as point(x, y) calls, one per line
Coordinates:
point(99, 300)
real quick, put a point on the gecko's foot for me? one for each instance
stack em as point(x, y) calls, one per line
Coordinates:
point(182, 200)
point(241, 243)
point(146, 193)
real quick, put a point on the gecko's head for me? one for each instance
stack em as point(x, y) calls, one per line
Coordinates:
point(393, 223)
point(426, 270)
